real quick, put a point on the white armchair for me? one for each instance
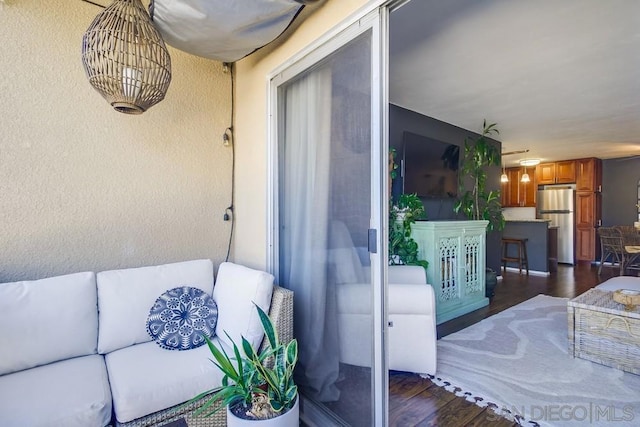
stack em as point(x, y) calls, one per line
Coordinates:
point(412, 314)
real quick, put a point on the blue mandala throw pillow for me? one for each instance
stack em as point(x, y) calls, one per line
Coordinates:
point(181, 318)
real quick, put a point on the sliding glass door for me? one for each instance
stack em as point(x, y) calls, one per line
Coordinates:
point(328, 210)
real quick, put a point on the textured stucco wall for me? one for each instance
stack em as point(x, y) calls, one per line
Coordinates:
point(251, 123)
point(83, 187)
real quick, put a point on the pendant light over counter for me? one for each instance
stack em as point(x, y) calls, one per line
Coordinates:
point(125, 58)
point(504, 178)
point(527, 162)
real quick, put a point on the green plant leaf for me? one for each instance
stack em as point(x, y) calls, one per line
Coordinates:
point(292, 352)
point(269, 330)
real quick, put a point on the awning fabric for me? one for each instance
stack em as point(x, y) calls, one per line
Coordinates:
point(224, 30)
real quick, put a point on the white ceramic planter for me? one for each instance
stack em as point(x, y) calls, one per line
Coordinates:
point(289, 419)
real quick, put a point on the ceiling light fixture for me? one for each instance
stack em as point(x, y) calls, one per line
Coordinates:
point(529, 162)
point(525, 176)
point(504, 178)
point(125, 58)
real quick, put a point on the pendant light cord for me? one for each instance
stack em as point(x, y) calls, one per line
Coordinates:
point(228, 137)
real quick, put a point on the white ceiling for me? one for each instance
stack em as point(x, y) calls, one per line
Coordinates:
point(559, 77)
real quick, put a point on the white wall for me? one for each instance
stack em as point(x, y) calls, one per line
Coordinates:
point(251, 124)
point(83, 187)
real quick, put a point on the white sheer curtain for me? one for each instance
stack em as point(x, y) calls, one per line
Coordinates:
point(305, 183)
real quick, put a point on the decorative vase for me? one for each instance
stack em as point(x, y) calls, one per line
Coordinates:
point(291, 418)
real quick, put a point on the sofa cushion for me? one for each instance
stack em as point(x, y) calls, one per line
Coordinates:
point(73, 392)
point(181, 318)
point(145, 378)
point(236, 290)
point(46, 320)
point(124, 298)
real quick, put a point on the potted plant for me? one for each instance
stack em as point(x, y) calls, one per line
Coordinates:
point(477, 203)
point(403, 250)
point(257, 387)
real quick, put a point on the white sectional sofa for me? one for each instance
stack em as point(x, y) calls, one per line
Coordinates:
point(76, 352)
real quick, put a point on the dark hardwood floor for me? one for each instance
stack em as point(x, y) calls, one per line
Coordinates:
point(415, 401)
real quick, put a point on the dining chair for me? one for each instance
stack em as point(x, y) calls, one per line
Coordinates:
point(611, 247)
point(630, 246)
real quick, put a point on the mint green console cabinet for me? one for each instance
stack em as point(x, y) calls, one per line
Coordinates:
point(456, 252)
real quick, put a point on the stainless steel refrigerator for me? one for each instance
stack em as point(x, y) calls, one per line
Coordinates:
point(556, 204)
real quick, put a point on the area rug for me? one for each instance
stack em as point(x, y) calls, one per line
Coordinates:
point(517, 363)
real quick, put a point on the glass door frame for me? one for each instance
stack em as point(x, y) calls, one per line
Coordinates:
point(376, 21)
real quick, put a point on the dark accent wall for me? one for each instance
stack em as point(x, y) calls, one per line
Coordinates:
point(620, 191)
point(400, 120)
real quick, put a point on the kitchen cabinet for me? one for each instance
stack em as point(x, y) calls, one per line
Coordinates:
point(509, 191)
point(566, 172)
point(516, 193)
point(546, 173)
point(556, 173)
point(588, 208)
point(588, 174)
point(585, 244)
point(585, 209)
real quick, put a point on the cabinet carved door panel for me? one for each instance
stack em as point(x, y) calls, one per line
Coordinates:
point(586, 244)
point(588, 174)
point(585, 209)
point(585, 176)
point(566, 172)
point(504, 194)
point(546, 173)
point(529, 190)
point(514, 188)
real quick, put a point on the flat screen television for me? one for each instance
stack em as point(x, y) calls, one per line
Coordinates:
point(430, 167)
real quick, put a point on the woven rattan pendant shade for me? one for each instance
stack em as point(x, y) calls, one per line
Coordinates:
point(125, 58)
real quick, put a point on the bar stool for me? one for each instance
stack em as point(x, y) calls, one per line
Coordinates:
point(521, 259)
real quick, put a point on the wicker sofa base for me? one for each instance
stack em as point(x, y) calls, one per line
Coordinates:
point(186, 412)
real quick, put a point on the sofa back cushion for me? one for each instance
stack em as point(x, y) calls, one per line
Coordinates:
point(47, 320)
point(125, 297)
point(236, 290)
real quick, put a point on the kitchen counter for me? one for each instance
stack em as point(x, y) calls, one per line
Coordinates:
point(537, 235)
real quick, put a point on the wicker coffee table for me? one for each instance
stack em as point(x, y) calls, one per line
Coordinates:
point(602, 331)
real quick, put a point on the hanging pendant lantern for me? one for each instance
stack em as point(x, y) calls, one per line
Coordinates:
point(125, 58)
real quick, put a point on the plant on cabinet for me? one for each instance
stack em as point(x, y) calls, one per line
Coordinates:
point(403, 250)
point(478, 203)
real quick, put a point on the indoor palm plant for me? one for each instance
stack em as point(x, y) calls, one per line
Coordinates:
point(477, 203)
point(256, 386)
